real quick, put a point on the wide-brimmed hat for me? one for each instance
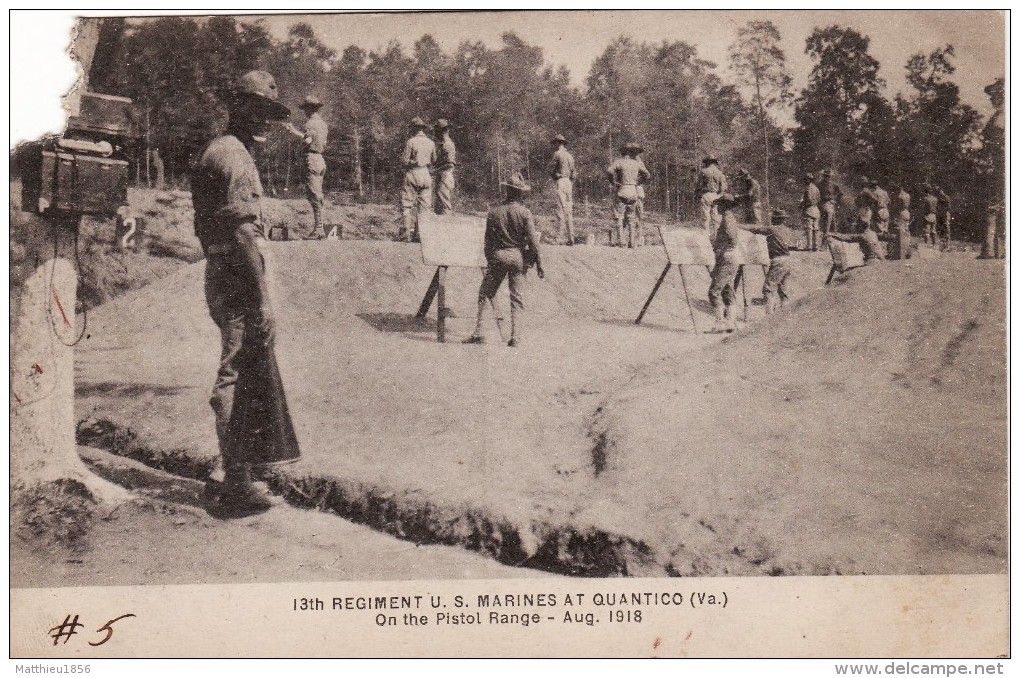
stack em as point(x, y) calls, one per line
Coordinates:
point(809, 177)
point(257, 92)
point(418, 122)
point(442, 123)
point(742, 172)
point(517, 183)
point(710, 158)
point(558, 139)
point(779, 213)
point(311, 102)
point(826, 173)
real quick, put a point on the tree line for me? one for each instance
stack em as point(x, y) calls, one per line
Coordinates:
point(505, 103)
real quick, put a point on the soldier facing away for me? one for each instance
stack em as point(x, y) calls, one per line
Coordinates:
point(625, 175)
point(511, 248)
point(314, 140)
point(417, 159)
point(779, 278)
point(930, 207)
point(446, 161)
point(711, 184)
point(563, 171)
point(831, 195)
point(810, 204)
point(749, 196)
point(253, 425)
point(721, 292)
point(900, 240)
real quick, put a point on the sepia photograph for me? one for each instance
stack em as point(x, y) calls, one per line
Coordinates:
point(572, 330)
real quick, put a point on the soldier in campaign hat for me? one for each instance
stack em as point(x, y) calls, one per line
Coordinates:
point(253, 425)
point(721, 292)
point(626, 174)
point(418, 158)
point(446, 161)
point(511, 248)
point(712, 183)
point(313, 139)
point(563, 171)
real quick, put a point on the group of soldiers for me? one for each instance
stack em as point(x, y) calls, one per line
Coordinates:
point(253, 424)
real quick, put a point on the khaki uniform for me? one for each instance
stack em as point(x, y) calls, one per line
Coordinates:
point(446, 161)
point(779, 278)
point(253, 424)
point(712, 183)
point(882, 215)
point(831, 195)
point(563, 172)
point(418, 157)
point(750, 198)
point(810, 204)
point(627, 174)
point(511, 247)
point(900, 244)
point(721, 292)
point(930, 209)
point(314, 140)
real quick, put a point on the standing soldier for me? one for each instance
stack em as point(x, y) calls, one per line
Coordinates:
point(563, 172)
point(721, 292)
point(314, 140)
point(749, 196)
point(865, 203)
point(809, 207)
point(511, 248)
point(418, 158)
point(882, 202)
point(711, 184)
point(900, 240)
point(780, 273)
point(626, 174)
point(446, 160)
point(832, 196)
point(930, 205)
point(993, 140)
point(945, 220)
point(253, 425)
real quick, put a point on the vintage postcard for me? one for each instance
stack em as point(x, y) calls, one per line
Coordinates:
point(515, 334)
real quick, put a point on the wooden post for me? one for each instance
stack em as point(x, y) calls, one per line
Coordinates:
point(430, 294)
point(687, 297)
point(832, 272)
point(651, 296)
point(441, 310)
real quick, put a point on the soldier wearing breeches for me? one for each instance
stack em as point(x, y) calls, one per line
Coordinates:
point(511, 248)
point(721, 292)
point(626, 174)
point(418, 158)
point(446, 162)
point(253, 425)
point(899, 244)
point(314, 140)
point(563, 171)
point(711, 184)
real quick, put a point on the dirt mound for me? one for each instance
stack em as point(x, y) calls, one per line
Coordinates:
point(863, 431)
point(564, 455)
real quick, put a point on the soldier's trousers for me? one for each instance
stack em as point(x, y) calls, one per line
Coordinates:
point(710, 216)
point(315, 172)
point(899, 246)
point(778, 283)
point(882, 219)
point(509, 264)
point(721, 293)
point(994, 245)
point(811, 218)
point(415, 196)
point(828, 217)
point(445, 183)
point(565, 207)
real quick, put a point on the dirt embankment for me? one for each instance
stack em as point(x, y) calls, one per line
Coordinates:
point(806, 445)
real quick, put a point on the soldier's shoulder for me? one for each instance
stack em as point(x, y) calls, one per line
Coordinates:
point(221, 152)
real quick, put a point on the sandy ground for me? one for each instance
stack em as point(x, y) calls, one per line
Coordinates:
point(602, 447)
point(164, 536)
